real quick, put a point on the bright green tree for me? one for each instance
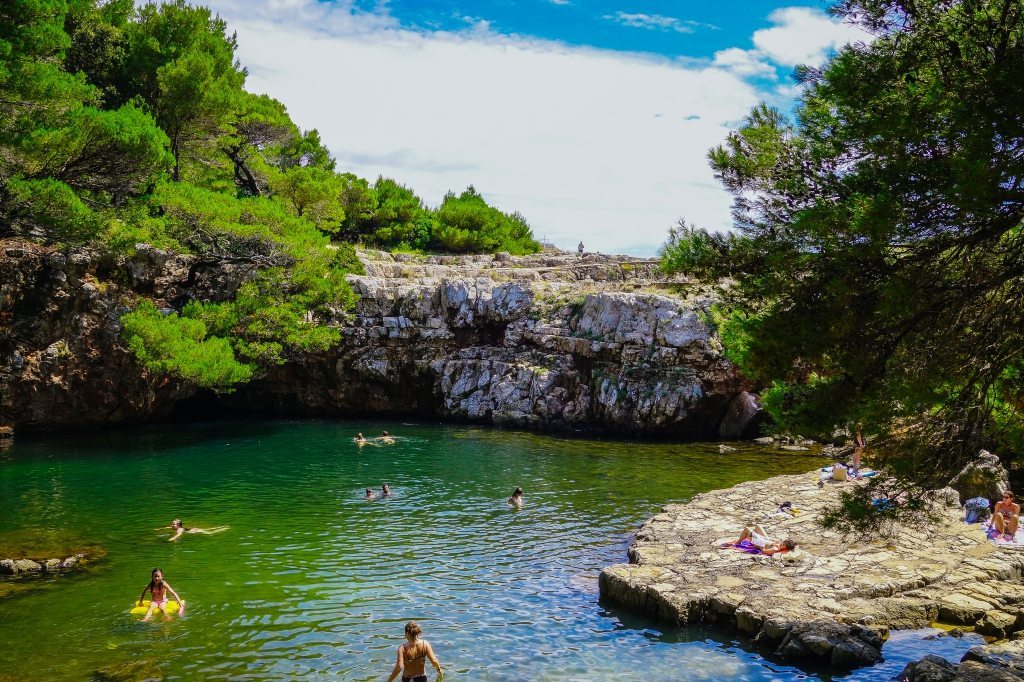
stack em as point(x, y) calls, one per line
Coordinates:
point(467, 224)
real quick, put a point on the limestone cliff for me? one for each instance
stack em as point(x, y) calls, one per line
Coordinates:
point(549, 342)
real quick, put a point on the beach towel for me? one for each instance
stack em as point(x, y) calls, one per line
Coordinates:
point(1001, 540)
point(746, 546)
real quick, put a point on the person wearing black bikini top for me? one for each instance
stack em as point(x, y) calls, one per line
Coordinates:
point(411, 657)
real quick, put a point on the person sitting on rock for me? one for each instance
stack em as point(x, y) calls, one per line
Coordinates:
point(758, 538)
point(1006, 518)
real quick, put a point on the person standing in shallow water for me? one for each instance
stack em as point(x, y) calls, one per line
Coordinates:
point(412, 656)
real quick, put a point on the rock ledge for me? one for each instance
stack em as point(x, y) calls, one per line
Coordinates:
point(833, 600)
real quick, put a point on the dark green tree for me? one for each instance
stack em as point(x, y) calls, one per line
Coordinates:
point(881, 259)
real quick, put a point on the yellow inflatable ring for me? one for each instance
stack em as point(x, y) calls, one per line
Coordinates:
point(140, 608)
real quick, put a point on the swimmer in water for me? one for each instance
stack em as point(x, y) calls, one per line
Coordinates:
point(369, 494)
point(517, 498)
point(385, 437)
point(158, 590)
point(360, 438)
point(179, 529)
point(385, 491)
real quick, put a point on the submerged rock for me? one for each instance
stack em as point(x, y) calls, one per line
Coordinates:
point(129, 671)
point(1003, 662)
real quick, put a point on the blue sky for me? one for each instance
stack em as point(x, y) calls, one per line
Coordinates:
point(590, 117)
point(693, 28)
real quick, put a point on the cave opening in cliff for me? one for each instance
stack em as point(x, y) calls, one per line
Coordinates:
point(205, 405)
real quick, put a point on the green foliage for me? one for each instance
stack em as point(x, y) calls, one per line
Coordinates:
point(122, 125)
point(466, 224)
point(116, 152)
point(51, 210)
point(881, 507)
point(882, 236)
point(312, 193)
point(181, 346)
point(696, 252)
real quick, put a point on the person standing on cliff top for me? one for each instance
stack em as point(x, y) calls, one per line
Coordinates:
point(579, 249)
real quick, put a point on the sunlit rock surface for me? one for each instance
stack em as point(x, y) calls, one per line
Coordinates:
point(552, 341)
point(833, 600)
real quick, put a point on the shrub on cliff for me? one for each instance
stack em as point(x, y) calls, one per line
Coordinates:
point(881, 245)
point(466, 224)
point(181, 346)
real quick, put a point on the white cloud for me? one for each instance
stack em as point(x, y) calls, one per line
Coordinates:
point(656, 21)
point(588, 144)
point(745, 63)
point(803, 36)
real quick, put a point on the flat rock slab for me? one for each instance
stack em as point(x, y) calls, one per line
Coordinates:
point(833, 600)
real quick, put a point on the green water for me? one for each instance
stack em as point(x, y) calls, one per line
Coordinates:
point(314, 581)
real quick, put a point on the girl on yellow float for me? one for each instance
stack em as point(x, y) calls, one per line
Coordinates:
point(158, 590)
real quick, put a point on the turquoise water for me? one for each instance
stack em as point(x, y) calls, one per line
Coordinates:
point(313, 580)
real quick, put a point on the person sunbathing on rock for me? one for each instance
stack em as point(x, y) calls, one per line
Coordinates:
point(1006, 518)
point(758, 538)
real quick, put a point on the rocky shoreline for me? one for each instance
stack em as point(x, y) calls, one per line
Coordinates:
point(545, 342)
point(832, 601)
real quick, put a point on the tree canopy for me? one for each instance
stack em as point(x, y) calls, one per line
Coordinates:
point(122, 124)
point(879, 260)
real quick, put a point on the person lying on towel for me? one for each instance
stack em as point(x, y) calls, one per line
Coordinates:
point(756, 537)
